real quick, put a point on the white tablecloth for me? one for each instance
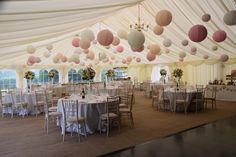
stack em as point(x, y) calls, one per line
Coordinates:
point(28, 98)
point(91, 108)
point(224, 92)
point(170, 93)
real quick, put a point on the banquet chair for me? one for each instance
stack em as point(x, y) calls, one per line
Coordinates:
point(127, 112)
point(163, 102)
point(155, 96)
point(71, 117)
point(180, 99)
point(40, 101)
point(51, 101)
point(210, 95)
point(199, 98)
point(49, 114)
point(19, 103)
point(111, 116)
point(7, 107)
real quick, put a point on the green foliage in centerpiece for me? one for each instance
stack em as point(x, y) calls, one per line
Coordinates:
point(178, 73)
point(110, 73)
point(29, 75)
point(51, 74)
point(88, 74)
point(163, 72)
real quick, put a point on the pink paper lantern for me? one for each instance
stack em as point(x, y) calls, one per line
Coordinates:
point(124, 61)
point(197, 33)
point(32, 59)
point(233, 72)
point(219, 36)
point(150, 56)
point(138, 60)
point(129, 59)
point(116, 41)
point(37, 60)
point(224, 58)
point(29, 63)
point(158, 30)
point(137, 49)
point(105, 37)
point(84, 43)
point(155, 49)
point(181, 59)
point(120, 48)
point(182, 54)
point(77, 61)
point(163, 18)
point(75, 42)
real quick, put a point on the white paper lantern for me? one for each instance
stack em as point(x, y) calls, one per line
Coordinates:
point(46, 54)
point(136, 38)
point(49, 47)
point(87, 34)
point(182, 54)
point(167, 42)
point(214, 48)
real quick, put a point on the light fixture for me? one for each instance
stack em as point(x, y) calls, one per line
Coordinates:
point(139, 26)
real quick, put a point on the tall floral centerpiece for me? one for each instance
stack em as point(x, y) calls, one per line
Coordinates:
point(110, 74)
point(163, 73)
point(178, 73)
point(51, 75)
point(88, 74)
point(29, 76)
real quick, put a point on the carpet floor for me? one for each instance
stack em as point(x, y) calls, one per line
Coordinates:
point(26, 137)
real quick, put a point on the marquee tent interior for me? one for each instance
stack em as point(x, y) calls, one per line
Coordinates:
point(46, 30)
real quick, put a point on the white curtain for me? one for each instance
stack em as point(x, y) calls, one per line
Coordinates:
point(156, 76)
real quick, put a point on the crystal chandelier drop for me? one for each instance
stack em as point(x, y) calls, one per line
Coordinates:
point(139, 26)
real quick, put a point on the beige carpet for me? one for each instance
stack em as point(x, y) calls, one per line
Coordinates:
point(26, 137)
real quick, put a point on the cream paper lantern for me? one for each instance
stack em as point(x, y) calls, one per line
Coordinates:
point(122, 34)
point(87, 34)
point(181, 59)
point(102, 56)
point(214, 48)
point(37, 60)
point(124, 61)
point(129, 59)
point(193, 51)
point(154, 48)
point(167, 51)
point(64, 59)
point(30, 49)
point(136, 39)
point(90, 55)
point(229, 18)
point(84, 43)
point(55, 59)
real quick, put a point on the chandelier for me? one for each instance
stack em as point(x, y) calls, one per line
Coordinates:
point(139, 26)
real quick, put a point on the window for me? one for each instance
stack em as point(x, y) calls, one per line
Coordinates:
point(74, 76)
point(103, 75)
point(7, 79)
point(121, 72)
point(41, 76)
